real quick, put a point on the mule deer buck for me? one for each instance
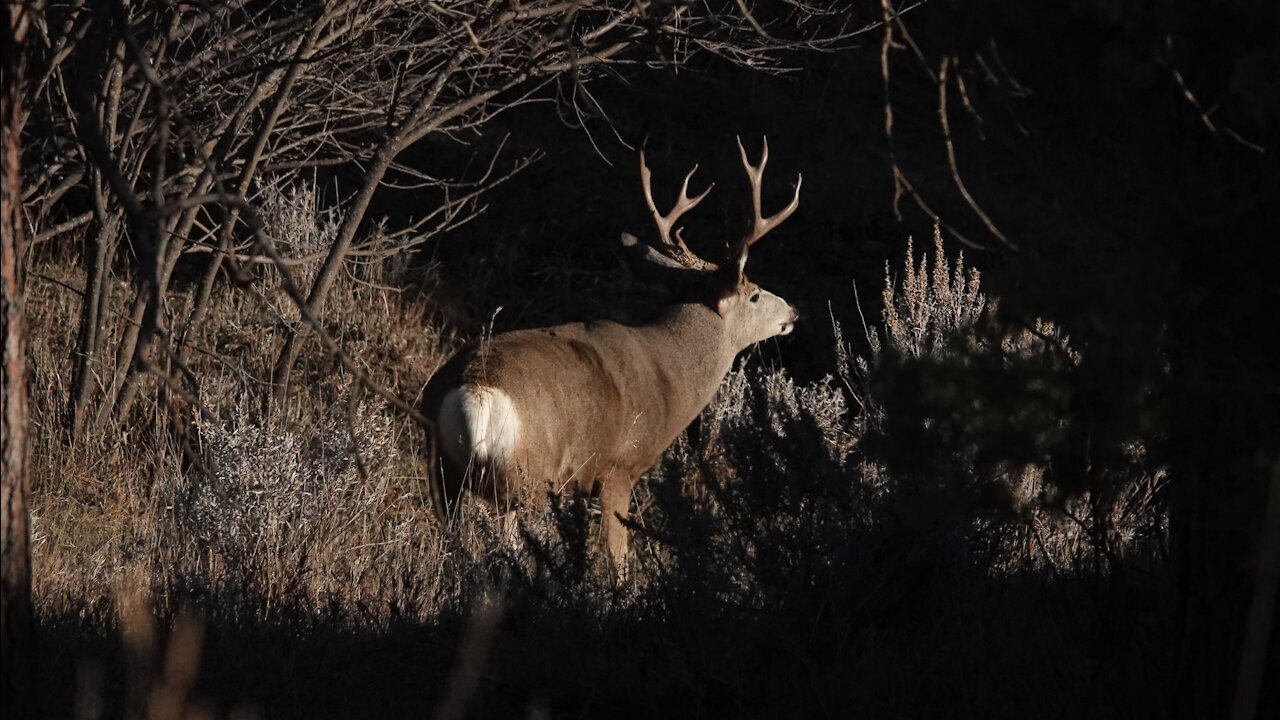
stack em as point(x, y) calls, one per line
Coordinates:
point(587, 408)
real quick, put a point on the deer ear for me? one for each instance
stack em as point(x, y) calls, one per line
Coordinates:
point(728, 277)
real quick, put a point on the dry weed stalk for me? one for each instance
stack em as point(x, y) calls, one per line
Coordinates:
point(933, 306)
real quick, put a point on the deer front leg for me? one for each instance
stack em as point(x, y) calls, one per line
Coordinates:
point(615, 504)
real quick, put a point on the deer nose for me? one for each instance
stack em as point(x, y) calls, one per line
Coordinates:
point(790, 324)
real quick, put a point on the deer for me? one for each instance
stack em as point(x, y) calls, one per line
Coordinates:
point(587, 408)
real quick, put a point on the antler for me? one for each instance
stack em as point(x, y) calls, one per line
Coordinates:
point(672, 244)
point(755, 174)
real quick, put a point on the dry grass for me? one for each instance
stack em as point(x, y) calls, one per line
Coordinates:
point(246, 500)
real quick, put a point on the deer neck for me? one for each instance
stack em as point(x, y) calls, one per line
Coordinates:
point(695, 344)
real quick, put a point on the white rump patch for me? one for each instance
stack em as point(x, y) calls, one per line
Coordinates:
point(479, 424)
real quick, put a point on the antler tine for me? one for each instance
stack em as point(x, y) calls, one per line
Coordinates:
point(755, 175)
point(672, 243)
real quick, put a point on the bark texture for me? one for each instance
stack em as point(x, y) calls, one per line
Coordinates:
point(15, 553)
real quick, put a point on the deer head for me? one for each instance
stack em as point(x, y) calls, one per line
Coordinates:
point(751, 314)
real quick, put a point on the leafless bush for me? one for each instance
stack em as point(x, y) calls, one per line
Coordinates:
point(926, 314)
point(732, 415)
point(302, 228)
point(969, 417)
point(269, 487)
point(755, 495)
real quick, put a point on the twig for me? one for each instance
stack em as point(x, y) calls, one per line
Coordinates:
point(951, 158)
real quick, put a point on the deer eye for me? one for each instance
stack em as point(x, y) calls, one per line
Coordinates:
point(755, 297)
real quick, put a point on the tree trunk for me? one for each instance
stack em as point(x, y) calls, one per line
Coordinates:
point(16, 631)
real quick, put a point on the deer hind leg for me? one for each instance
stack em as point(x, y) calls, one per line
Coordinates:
point(615, 504)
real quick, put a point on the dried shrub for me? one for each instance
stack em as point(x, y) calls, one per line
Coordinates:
point(753, 499)
point(270, 488)
point(970, 421)
point(932, 307)
point(302, 228)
